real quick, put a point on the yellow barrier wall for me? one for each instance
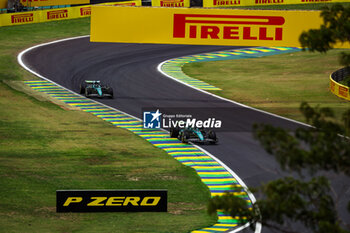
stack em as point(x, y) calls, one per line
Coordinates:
point(3, 4)
point(339, 89)
point(171, 3)
point(125, 3)
point(201, 26)
point(231, 3)
point(44, 15)
point(55, 14)
point(33, 3)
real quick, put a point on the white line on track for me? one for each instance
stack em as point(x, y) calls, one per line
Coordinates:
point(258, 226)
point(20, 61)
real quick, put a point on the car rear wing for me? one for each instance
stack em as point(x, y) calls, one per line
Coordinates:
point(93, 81)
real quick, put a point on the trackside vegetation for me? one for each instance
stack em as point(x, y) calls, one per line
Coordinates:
point(279, 83)
point(276, 84)
point(311, 201)
point(45, 147)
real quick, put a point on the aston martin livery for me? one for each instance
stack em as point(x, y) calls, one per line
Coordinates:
point(194, 135)
point(92, 88)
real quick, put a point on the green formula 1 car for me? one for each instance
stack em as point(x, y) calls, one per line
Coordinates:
point(194, 135)
point(94, 89)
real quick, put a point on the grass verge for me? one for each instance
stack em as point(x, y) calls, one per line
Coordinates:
point(277, 84)
point(44, 147)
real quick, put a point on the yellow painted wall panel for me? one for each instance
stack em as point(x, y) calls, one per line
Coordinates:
point(55, 14)
point(3, 4)
point(231, 3)
point(33, 3)
point(124, 3)
point(171, 3)
point(201, 26)
point(339, 90)
point(44, 15)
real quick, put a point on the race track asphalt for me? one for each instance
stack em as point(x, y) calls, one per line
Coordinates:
point(131, 69)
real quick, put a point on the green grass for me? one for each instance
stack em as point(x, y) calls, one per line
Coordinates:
point(44, 147)
point(277, 84)
point(14, 39)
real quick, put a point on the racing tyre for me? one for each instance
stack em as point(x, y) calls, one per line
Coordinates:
point(82, 88)
point(110, 92)
point(174, 132)
point(87, 92)
point(185, 135)
point(212, 136)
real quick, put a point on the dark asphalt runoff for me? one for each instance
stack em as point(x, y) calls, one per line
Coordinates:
point(131, 69)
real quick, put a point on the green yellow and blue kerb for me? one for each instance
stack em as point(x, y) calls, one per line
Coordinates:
point(173, 67)
point(217, 178)
point(214, 175)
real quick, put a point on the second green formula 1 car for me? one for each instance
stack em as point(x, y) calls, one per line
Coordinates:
point(92, 88)
point(194, 135)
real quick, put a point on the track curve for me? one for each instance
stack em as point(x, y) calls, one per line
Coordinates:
point(131, 69)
